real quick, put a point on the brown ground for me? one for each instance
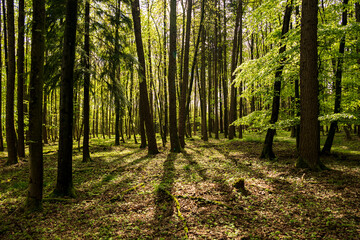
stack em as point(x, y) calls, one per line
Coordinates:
point(125, 194)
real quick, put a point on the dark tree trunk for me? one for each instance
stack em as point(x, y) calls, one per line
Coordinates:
point(194, 64)
point(204, 135)
point(216, 79)
point(86, 108)
point(225, 77)
point(144, 100)
point(185, 78)
point(232, 112)
point(44, 123)
point(10, 87)
point(20, 78)
point(338, 75)
point(174, 139)
point(267, 151)
point(309, 89)
point(166, 120)
point(1, 65)
point(35, 190)
point(117, 121)
point(64, 184)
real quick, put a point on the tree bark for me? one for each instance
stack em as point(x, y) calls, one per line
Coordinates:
point(20, 79)
point(144, 100)
point(185, 78)
point(1, 65)
point(10, 87)
point(309, 89)
point(338, 75)
point(174, 139)
point(86, 108)
point(35, 190)
point(216, 79)
point(232, 112)
point(204, 135)
point(64, 184)
point(267, 151)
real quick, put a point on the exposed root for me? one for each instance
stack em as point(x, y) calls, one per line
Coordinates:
point(120, 196)
point(200, 199)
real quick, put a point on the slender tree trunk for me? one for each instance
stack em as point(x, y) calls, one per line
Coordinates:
point(144, 101)
point(204, 135)
point(35, 190)
point(165, 75)
point(216, 79)
point(64, 184)
point(267, 151)
point(232, 112)
point(225, 77)
point(86, 108)
point(20, 78)
point(10, 87)
point(185, 78)
point(44, 123)
point(309, 89)
point(338, 75)
point(1, 66)
point(194, 64)
point(174, 139)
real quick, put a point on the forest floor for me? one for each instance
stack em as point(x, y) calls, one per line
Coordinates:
point(126, 194)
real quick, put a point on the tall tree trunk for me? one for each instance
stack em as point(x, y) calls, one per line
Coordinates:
point(185, 78)
point(204, 135)
point(10, 87)
point(20, 78)
point(338, 75)
point(174, 139)
point(232, 112)
point(144, 101)
point(309, 88)
point(165, 75)
point(267, 151)
point(35, 190)
point(64, 184)
point(216, 79)
point(44, 123)
point(1, 65)
point(86, 108)
point(225, 77)
point(194, 64)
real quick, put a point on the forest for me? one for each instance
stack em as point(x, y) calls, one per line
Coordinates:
point(180, 119)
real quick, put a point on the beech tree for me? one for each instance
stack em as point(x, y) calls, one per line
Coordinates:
point(174, 139)
point(64, 184)
point(309, 88)
point(35, 190)
point(144, 100)
point(10, 86)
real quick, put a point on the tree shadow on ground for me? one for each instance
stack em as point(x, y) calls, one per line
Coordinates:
point(193, 163)
point(163, 226)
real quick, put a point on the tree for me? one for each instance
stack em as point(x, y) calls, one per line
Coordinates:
point(86, 109)
point(232, 112)
point(338, 75)
point(185, 78)
point(144, 100)
point(35, 191)
point(64, 184)
point(267, 151)
point(1, 66)
point(10, 87)
point(174, 139)
point(20, 79)
point(309, 89)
